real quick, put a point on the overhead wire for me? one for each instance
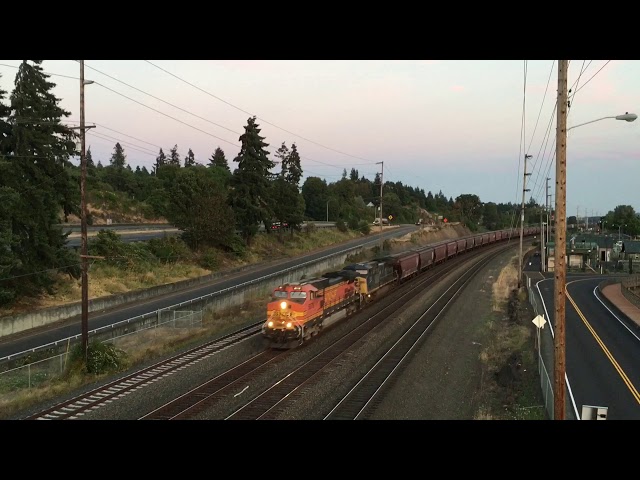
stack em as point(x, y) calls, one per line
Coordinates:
point(200, 117)
point(522, 130)
point(184, 110)
point(258, 118)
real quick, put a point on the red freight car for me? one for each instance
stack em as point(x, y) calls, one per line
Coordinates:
point(406, 264)
point(462, 245)
point(440, 253)
point(477, 241)
point(485, 238)
point(492, 237)
point(498, 236)
point(427, 256)
point(452, 249)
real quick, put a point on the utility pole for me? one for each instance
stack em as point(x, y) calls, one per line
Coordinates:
point(542, 242)
point(381, 184)
point(548, 209)
point(84, 257)
point(560, 243)
point(524, 190)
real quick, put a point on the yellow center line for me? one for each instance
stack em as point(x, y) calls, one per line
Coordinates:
point(606, 351)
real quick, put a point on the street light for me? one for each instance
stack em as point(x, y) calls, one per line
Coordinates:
point(328, 208)
point(560, 273)
point(620, 230)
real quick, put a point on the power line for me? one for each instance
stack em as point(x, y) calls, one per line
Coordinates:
point(128, 145)
point(541, 105)
point(165, 114)
point(184, 110)
point(585, 83)
point(198, 116)
point(46, 73)
point(524, 96)
point(163, 101)
point(261, 119)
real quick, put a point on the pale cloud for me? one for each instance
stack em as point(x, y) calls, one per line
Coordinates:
point(457, 88)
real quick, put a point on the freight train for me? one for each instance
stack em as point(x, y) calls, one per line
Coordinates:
point(300, 310)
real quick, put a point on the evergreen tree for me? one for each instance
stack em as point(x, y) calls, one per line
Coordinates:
point(161, 160)
point(118, 158)
point(174, 156)
point(289, 207)
point(99, 166)
point(90, 164)
point(291, 167)
point(282, 154)
point(38, 187)
point(249, 196)
point(5, 127)
point(9, 199)
point(353, 175)
point(218, 160)
point(198, 207)
point(190, 159)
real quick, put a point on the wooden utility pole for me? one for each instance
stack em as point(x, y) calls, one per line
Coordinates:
point(381, 184)
point(84, 258)
point(560, 243)
point(524, 190)
point(83, 223)
point(542, 243)
point(548, 204)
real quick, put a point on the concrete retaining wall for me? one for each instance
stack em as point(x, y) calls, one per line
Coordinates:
point(227, 298)
point(631, 290)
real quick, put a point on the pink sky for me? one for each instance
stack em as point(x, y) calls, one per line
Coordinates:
point(449, 125)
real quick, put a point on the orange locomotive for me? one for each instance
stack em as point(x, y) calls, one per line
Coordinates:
point(299, 310)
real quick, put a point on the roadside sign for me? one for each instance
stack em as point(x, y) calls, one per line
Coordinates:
point(539, 321)
point(445, 220)
point(390, 217)
point(590, 412)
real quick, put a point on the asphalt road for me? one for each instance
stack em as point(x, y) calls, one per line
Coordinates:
point(600, 349)
point(155, 231)
point(28, 340)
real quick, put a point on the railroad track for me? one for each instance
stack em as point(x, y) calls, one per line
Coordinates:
point(192, 403)
point(80, 405)
point(367, 393)
point(227, 385)
point(285, 392)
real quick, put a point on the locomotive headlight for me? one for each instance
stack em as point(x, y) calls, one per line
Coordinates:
point(270, 324)
point(283, 305)
point(289, 324)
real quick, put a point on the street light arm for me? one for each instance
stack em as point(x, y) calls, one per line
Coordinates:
point(586, 123)
point(627, 117)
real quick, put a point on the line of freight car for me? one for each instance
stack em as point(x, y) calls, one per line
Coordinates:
point(300, 310)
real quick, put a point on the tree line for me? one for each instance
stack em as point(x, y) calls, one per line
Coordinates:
point(214, 205)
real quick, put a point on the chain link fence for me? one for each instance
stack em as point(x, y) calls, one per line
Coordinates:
point(33, 370)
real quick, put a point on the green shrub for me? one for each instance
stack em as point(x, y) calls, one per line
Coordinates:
point(237, 246)
point(169, 249)
point(364, 227)
point(101, 358)
point(341, 226)
point(353, 223)
point(210, 259)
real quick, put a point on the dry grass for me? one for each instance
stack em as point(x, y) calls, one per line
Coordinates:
point(509, 337)
point(506, 282)
point(107, 280)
